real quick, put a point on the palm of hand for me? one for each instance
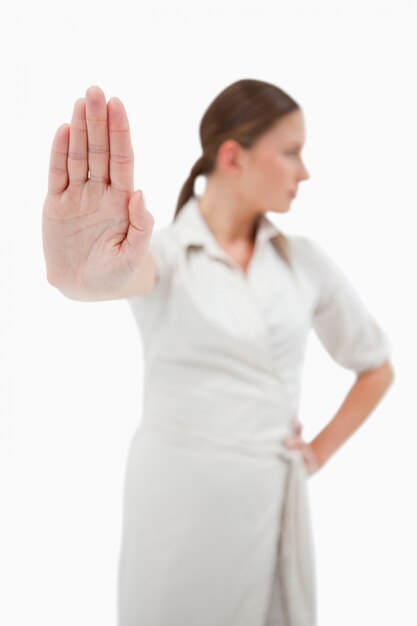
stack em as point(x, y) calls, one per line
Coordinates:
point(88, 227)
point(96, 230)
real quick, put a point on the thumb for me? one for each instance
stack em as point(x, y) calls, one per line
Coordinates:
point(141, 222)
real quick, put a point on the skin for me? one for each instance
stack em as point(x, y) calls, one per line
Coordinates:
point(244, 184)
point(309, 454)
point(95, 226)
point(96, 229)
point(248, 182)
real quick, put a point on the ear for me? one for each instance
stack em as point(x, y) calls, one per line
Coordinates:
point(230, 156)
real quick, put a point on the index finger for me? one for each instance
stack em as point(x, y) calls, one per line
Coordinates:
point(121, 151)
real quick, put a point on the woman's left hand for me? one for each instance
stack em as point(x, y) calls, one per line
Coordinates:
point(311, 461)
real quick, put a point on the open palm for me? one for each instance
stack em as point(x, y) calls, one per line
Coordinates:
point(95, 228)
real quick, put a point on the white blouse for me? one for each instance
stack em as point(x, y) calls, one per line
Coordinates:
point(215, 336)
point(223, 357)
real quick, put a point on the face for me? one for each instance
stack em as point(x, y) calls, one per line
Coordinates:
point(272, 170)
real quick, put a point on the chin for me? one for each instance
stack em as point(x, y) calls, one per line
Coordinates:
point(281, 209)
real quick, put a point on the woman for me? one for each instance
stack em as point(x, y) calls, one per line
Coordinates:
point(216, 519)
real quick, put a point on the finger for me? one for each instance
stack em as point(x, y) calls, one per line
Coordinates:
point(121, 151)
point(77, 152)
point(58, 173)
point(141, 221)
point(296, 441)
point(97, 135)
point(293, 441)
point(297, 425)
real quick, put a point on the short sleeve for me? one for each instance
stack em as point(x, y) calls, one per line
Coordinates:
point(346, 328)
point(164, 248)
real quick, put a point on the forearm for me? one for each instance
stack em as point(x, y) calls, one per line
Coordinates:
point(360, 401)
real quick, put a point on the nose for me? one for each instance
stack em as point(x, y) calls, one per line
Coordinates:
point(305, 175)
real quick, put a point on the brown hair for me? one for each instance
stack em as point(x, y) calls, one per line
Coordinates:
point(242, 111)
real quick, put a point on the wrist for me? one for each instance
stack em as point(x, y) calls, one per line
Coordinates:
point(320, 457)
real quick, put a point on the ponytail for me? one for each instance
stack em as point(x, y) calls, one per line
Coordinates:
point(187, 191)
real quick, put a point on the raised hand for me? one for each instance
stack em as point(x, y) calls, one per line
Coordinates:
point(95, 228)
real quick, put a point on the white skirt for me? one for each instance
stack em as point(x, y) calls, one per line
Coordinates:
point(214, 534)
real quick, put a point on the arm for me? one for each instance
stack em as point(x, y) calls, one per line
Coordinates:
point(360, 401)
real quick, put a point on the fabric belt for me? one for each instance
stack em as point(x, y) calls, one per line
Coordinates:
point(296, 557)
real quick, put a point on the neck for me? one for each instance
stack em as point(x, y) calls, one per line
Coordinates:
point(228, 219)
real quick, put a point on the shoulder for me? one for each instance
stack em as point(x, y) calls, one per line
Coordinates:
point(315, 260)
point(165, 238)
point(309, 256)
point(164, 246)
point(304, 248)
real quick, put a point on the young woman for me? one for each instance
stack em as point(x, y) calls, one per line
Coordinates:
point(216, 519)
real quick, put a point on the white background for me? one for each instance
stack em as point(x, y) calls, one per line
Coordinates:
point(70, 395)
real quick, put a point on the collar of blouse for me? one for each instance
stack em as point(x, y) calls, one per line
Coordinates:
point(193, 230)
